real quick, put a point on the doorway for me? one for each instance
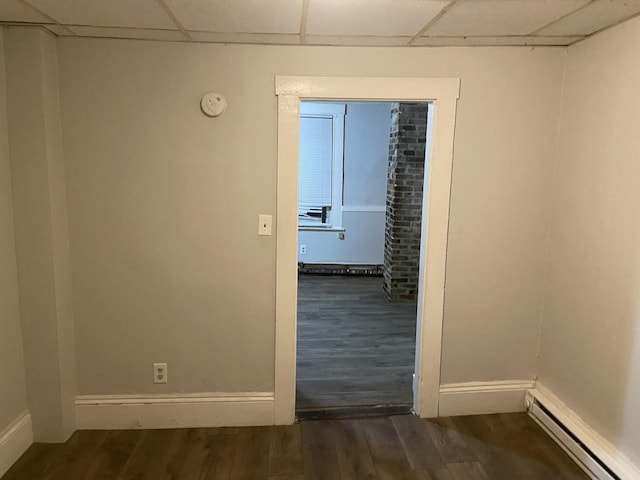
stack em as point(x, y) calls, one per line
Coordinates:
point(361, 178)
point(442, 93)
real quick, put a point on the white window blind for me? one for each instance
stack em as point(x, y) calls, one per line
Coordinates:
point(316, 160)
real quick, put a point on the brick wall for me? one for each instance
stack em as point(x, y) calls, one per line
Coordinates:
point(404, 200)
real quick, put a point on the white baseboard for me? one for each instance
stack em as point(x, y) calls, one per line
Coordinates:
point(599, 447)
point(477, 398)
point(107, 412)
point(14, 441)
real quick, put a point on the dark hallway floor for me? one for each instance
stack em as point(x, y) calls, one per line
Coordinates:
point(354, 347)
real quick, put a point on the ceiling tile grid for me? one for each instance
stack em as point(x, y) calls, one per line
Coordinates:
point(248, 38)
point(356, 41)
point(503, 41)
point(134, 33)
point(327, 22)
point(59, 30)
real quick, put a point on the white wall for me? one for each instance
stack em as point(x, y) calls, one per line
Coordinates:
point(164, 270)
point(590, 349)
point(41, 231)
point(366, 154)
point(13, 399)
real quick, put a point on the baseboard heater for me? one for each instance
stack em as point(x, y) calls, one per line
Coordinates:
point(340, 269)
point(562, 434)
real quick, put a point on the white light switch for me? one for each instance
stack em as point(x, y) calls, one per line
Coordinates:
point(264, 224)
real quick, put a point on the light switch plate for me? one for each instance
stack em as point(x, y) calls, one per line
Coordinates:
point(264, 224)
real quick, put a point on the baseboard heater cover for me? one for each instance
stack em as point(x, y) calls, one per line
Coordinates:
point(594, 466)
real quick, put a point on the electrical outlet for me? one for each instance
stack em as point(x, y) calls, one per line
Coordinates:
point(303, 249)
point(160, 373)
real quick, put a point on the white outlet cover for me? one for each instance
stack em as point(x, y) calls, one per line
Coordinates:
point(213, 104)
point(160, 373)
point(264, 224)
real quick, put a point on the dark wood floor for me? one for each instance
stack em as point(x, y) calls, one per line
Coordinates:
point(502, 447)
point(354, 348)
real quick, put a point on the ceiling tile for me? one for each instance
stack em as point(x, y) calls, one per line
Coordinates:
point(356, 40)
point(241, 16)
point(256, 38)
point(107, 13)
point(500, 17)
point(595, 16)
point(497, 41)
point(134, 33)
point(14, 11)
point(371, 17)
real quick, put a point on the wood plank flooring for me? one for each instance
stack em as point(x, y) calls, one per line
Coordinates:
point(354, 347)
point(502, 447)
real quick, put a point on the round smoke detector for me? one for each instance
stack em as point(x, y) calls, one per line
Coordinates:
point(213, 104)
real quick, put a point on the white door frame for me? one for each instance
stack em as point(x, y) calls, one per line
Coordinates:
point(442, 93)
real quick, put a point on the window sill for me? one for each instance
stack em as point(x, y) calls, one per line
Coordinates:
point(312, 228)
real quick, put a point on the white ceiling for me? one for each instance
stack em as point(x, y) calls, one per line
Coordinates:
point(327, 22)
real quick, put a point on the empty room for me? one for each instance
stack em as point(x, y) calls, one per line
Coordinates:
point(171, 303)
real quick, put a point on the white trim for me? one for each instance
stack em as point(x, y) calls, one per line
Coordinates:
point(368, 88)
point(286, 259)
point(478, 398)
point(442, 93)
point(364, 208)
point(608, 453)
point(109, 412)
point(14, 441)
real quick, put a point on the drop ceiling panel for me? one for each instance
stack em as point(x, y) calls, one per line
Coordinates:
point(593, 17)
point(497, 41)
point(371, 17)
point(241, 16)
point(328, 22)
point(134, 33)
point(253, 38)
point(500, 17)
point(107, 13)
point(14, 11)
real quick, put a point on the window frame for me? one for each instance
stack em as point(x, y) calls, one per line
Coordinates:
point(336, 111)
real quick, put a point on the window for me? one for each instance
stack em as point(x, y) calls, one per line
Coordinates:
point(321, 165)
